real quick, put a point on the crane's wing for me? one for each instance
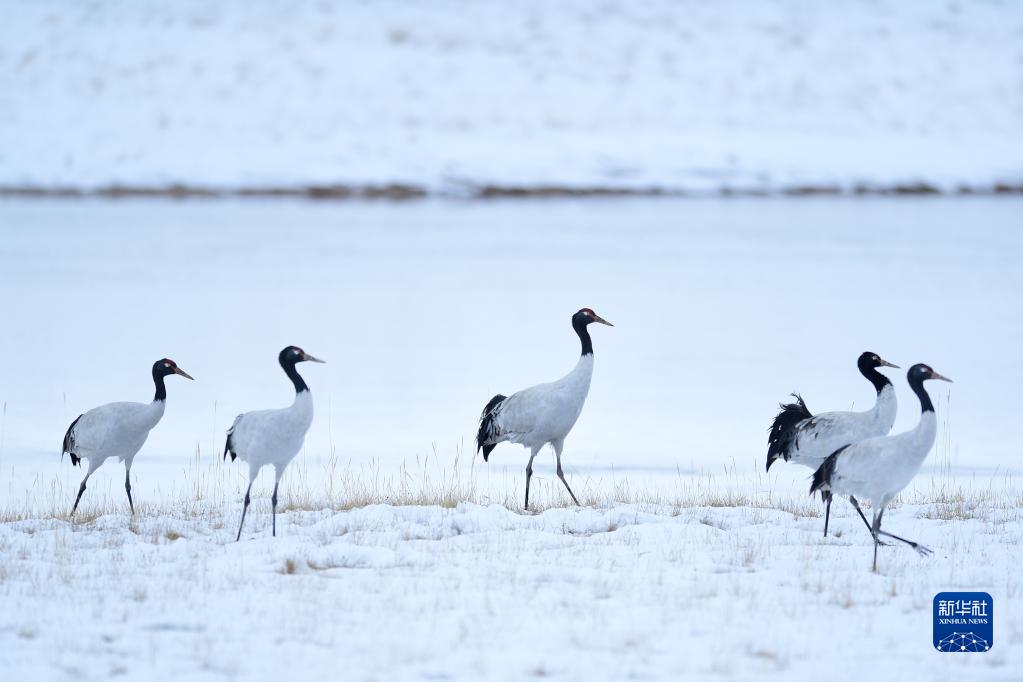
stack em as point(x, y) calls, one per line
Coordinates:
point(822, 427)
point(249, 428)
point(520, 413)
point(98, 427)
point(860, 463)
point(819, 437)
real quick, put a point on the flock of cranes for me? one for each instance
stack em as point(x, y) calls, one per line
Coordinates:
point(850, 453)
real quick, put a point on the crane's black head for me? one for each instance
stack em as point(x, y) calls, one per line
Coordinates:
point(868, 363)
point(917, 375)
point(166, 367)
point(920, 373)
point(585, 317)
point(868, 360)
point(580, 321)
point(292, 355)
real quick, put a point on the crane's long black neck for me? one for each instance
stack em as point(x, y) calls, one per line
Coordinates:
point(584, 336)
point(917, 384)
point(296, 378)
point(873, 376)
point(161, 389)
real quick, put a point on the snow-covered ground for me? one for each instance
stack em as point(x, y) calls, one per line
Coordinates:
point(480, 592)
point(453, 96)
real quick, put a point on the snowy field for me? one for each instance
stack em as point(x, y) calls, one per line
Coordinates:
point(480, 592)
point(460, 96)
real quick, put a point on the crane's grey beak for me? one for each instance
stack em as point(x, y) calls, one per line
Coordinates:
point(178, 370)
point(885, 363)
point(935, 375)
point(598, 318)
point(310, 358)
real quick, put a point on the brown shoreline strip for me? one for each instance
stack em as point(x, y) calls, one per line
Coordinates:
point(404, 192)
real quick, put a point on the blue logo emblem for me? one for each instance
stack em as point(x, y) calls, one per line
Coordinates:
point(963, 622)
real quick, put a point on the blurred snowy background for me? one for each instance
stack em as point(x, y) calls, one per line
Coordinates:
point(426, 308)
point(468, 97)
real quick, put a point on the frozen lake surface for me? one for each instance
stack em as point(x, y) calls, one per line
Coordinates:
point(424, 310)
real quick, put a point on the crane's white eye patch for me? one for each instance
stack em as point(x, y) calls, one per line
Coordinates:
point(167, 365)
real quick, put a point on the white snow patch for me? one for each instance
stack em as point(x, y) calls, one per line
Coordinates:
point(482, 592)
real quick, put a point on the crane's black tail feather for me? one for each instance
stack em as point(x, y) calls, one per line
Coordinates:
point(69, 443)
point(488, 426)
point(782, 436)
point(229, 443)
point(822, 477)
point(229, 447)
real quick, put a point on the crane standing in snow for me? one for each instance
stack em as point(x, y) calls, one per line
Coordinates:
point(544, 413)
point(798, 436)
point(273, 436)
point(117, 430)
point(878, 468)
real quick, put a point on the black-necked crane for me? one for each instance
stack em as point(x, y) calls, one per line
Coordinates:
point(273, 436)
point(798, 436)
point(877, 469)
point(117, 430)
point(545, 413)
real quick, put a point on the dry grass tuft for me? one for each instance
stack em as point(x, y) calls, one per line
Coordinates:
point(211, 491)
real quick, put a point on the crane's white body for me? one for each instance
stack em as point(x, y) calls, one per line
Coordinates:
point(272, 436)
point(545, 413)
point(818, 437)
point(118, 430)
point(114, 430)
point(878, 468)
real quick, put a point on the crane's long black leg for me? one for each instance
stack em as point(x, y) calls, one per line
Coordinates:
point(870, 529)
point(529, 475)
point(127, 488)
point(827, 512)
point(874, 531)
point(920, 549)
point(860, 512)
point(244, 509)
point(78, 499)
point(561, 474)
point(562, 477)
point(273, 501)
